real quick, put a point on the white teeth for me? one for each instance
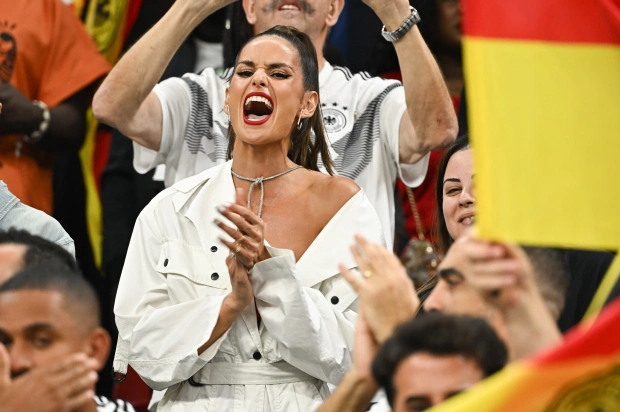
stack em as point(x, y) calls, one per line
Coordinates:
point(289, 7)
point(259, 99)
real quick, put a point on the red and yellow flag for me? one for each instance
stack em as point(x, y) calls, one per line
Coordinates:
point(581, 375)
point(543, 84)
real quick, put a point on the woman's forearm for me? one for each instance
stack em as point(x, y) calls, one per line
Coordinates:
point(228, 314)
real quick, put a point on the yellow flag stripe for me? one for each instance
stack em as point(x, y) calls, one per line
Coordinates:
point(604, 289)
point(551, 112)
point(93, 203)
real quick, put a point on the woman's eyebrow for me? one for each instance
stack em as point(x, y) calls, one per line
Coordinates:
point(270, 66)
point(452, 179)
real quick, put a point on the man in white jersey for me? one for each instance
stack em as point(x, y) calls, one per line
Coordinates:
point(378, 129)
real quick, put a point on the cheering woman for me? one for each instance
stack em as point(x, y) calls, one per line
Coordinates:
point(230, 298)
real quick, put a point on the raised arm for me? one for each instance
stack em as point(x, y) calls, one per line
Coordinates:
point(126, 99)
point(429, 122)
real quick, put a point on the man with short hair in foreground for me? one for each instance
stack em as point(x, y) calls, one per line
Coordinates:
point(49, 325)
point(434, 357)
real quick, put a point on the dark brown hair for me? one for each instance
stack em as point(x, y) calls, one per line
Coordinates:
point(305, 147)
point(439, 334)
point(441, 229)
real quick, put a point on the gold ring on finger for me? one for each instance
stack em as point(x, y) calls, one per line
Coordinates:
point(367, 273)
point(238, 249)
point(240, 239)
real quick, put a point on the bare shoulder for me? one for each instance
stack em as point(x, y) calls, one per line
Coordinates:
point(333, 191)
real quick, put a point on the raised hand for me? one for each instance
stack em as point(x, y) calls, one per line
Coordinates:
point(391, 12)
point(387, 295)
point(248, 245)
point(501, 273)
point(61, 387)
point(504, 277)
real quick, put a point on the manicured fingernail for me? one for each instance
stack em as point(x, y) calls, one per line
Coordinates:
point(226, 205)
point(217, 221)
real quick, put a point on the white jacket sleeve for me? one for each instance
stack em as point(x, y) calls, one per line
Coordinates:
point(163, 337)
point(312, 334)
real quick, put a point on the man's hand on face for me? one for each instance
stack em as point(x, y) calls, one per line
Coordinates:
point(387, 295)
point(18, 115)
point(60, 387)
point(502, 274)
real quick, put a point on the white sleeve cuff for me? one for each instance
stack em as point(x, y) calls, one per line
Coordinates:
point(413, 175)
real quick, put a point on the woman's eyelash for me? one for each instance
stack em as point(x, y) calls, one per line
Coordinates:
point(281, 75)
point(244, 73)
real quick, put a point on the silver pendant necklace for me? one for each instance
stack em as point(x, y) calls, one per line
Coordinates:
point(260, 181)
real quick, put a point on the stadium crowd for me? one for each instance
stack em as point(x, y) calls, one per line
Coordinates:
point(279, 232)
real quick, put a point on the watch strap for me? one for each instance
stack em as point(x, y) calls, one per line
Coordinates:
point(412, 20)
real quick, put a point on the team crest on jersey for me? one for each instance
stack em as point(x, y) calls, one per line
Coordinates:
point(333, 119)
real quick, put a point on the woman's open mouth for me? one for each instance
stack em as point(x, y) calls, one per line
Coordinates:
point(257, 108)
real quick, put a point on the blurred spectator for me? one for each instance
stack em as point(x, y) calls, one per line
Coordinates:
point(48, 64)
point(14, 214)
point(521, 298)
point(49, 67)
point(20, 250)
point(49, 324)
point(434, 357)
point(387, 299)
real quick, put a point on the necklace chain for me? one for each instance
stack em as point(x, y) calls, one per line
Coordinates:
point(260, 181)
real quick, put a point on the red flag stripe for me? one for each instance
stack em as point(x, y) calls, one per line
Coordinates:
point(602, 339)
point(566, 21)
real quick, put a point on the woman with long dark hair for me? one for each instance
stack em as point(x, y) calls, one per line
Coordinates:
point(230, 297)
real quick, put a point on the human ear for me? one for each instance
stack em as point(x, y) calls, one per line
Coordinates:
point(98, 346)
point(250, 13)
point(335, 8)
point(311, 101)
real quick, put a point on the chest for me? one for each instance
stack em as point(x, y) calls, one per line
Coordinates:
point(293, 224)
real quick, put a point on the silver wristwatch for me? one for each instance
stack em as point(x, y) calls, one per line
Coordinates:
point(412, 20)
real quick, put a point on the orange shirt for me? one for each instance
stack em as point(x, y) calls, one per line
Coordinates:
point(46, 53)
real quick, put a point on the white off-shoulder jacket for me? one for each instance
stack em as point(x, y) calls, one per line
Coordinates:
point(174, 282)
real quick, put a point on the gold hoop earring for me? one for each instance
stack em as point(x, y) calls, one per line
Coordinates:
point(299, 121)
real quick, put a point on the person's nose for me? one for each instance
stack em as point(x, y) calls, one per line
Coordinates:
point(259, 79)
point(21, 359)
point(434, 301)
point(467, 197)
